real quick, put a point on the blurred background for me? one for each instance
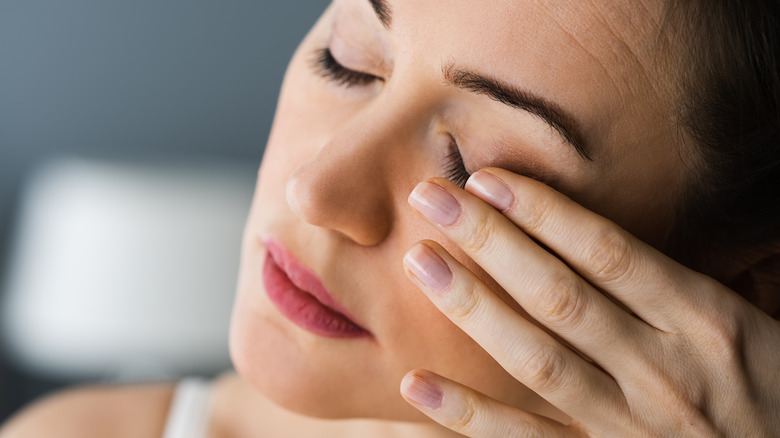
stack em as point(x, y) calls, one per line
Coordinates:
point(130, 134)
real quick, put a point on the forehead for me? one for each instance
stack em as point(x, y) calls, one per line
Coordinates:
point(609, 32)
point(599, 59)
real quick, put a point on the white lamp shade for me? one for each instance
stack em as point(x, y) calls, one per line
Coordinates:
point(124, 271)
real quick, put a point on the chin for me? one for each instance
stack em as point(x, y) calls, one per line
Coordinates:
point(313, 376)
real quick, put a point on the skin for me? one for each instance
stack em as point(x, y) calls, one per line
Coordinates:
point(334, 186)
point(341, 162)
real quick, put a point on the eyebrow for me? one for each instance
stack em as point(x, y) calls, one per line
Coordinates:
point(382, 11)
point(550, 112)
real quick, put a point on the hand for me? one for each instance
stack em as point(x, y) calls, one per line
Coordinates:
point(650, 348)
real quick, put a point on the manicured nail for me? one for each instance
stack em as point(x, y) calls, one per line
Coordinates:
point(435, 203)
point(428, 267)
point(491, 189)
point(422, 391)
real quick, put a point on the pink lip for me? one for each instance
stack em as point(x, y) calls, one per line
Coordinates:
point(301, 297)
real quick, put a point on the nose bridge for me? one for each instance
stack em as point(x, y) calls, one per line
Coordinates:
point(344, 186)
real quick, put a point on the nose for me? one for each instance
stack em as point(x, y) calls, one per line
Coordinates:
point(345, 185)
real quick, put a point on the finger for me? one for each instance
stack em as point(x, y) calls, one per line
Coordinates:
point(639, 276)
point(523, 349)
point(541, 283)
point(473, 414)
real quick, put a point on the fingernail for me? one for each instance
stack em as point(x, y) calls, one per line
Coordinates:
point(435, 203)
point(491, 189)
point(422, 391)
point(428, 267)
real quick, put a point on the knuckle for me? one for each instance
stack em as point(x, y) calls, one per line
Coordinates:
point(482, 234)
point(562, 303)
point(722, 336)
point(468, 306)
point(537, 213)
point(610, 257)
point(544, 369)
point(476, 416)
point(465, 421)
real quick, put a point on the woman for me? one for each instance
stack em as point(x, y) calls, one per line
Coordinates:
point(607, 135)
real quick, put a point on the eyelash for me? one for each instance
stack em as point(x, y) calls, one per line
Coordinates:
point(329, 68)
point(455, 168)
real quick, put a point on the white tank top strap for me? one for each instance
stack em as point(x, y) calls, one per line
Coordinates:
point(189, 412)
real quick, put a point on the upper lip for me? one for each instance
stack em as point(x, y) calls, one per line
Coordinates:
point(303, 278)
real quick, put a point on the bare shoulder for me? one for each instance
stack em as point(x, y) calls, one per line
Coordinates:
point(108, 410)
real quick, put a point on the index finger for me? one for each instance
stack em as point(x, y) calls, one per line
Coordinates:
point(642, 278)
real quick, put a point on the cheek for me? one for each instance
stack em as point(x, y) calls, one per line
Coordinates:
point(417, 335)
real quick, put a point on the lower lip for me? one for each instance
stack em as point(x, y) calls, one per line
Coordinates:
point(302, 308)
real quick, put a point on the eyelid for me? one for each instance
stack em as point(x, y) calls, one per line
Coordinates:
point(360, 46)
point(356, 58)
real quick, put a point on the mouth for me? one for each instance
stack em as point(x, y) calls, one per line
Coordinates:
point(301, 297)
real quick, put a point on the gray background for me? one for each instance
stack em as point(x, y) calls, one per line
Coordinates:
point(157, 80)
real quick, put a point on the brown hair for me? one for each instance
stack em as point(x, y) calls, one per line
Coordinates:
point(730, 81)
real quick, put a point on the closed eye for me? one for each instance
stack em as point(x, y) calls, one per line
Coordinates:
point(329, 68)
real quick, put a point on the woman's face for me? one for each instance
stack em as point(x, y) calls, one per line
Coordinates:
point(571, 95)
